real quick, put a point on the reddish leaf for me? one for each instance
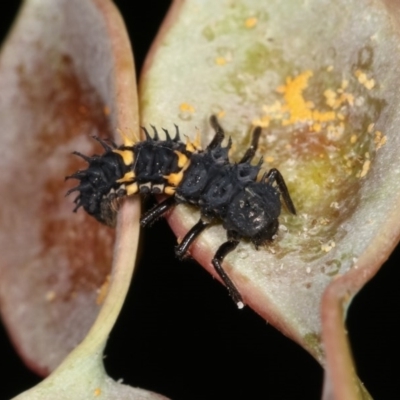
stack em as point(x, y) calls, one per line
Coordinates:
point(62, 72)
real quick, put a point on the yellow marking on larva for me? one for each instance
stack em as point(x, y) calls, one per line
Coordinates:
point(169, 190)
point(175, 178)
point(182, 159)
point(197, 141)
point(189, 146)
point(128, 177)
point(195, 145)
point(97, 392)
point(132, 189)
point(129, 140)
point(127, 156)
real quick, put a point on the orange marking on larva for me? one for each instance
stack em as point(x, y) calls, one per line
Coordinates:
point(182, 159)
point(169, 190)
point(127, 156)
point(132, 189)
point(197, 141)
point(189, 146)
point(175, 178)
point(128, 177)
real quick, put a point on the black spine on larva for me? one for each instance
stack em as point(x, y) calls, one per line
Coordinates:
point(98, 187)
point(154, 160)
point(253, 213)
point(211, 182)
point(203, 166)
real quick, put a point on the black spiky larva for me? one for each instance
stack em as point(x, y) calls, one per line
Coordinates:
point(225, 192)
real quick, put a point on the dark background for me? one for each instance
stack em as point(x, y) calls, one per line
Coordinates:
point(176, 312)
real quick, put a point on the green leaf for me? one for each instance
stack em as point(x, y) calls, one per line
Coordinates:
point(320, 77)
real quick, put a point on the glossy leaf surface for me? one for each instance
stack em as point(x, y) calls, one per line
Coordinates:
point(324, 90)
point(66, 73)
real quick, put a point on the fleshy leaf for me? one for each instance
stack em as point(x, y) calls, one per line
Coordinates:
point(66, 74)
point(324, 90)
point(81, 375)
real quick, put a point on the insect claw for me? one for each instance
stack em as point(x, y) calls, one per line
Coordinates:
point(74, 189)
point(86, 158)
point(77, 207)
point(76, 175)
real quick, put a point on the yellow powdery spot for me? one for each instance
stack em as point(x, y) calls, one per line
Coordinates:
point(334, 100)
point(269, 159)
point(353, 139)
point(263, 122)
point(347, 97)
point(221, 61)
point(221, 114)
point(327, 247)
point(365, 168)
point(316, 127)
point(97, 392)
point(299, 109)
point(361, 76)
point(186, 107)
point(330, 97)
point(363, 79)
point(370, 83)
point(250, 22)
point(379, 139)
point(323, 116)
point(370, 128)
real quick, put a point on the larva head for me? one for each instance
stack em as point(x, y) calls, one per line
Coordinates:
point(253, 213)
point(99, 191)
